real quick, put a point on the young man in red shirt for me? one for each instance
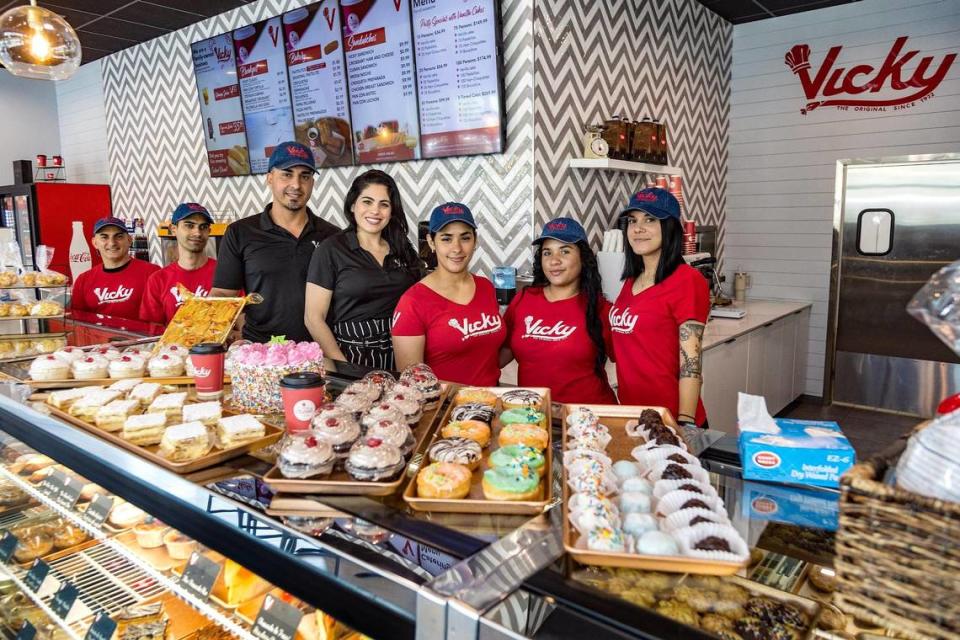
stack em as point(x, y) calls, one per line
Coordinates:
point(193, 269)
point(114, 288)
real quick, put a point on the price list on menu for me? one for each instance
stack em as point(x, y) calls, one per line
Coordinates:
point(262, 72)
point(457, 77)
point(318, 82)
point(220, 109)
point(378, 45)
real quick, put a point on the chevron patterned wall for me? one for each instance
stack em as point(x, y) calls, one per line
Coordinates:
point(668, 59)
point(157, 156)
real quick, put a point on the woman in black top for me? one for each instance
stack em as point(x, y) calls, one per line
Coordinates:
point(357, 276)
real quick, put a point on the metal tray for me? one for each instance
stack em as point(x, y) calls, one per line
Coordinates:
point(615, 417)
point(218, 332)
point(341, 483)
point(475, 502)
point(216, 455)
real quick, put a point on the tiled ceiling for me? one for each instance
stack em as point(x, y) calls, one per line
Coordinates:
point(107, 26)
point(739, 11)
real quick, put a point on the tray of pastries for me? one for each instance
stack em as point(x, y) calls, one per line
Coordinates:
point(491, 454)
point(362, 442)
point(634, 496)
point(202, 319)
point(30, 310)
point(169, 428)
point(70, 366)
point(32, 279)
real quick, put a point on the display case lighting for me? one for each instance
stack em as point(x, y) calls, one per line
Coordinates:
point(171, 585)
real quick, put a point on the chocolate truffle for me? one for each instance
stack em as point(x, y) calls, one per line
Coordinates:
point(693, 503)
point(675, 471)
point(713, 543)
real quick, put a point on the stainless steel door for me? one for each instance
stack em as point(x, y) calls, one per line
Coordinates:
point(900, 224)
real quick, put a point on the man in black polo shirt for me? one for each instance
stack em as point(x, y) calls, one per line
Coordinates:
point(268, 253)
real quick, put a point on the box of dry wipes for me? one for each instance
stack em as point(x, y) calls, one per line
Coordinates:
point(804, 452)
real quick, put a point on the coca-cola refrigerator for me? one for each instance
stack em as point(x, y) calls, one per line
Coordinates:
point(43, 213)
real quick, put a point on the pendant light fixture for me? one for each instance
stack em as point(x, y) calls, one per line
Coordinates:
point(37, 43)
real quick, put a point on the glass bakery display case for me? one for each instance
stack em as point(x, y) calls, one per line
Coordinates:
point(351, 565)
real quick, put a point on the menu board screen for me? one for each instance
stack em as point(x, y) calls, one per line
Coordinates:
point(262, 70)
point(318, 82)
point(378, 45)
point(220, 110)
point(457, 76)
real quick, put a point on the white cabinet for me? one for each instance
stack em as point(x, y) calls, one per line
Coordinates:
point(724, 375)
point(770, 361)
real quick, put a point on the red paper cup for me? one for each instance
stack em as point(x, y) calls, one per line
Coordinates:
point(207, 359)
point(302, 393)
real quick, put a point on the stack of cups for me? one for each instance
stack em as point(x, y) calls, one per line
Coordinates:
point(689, 237)
point(677, 191)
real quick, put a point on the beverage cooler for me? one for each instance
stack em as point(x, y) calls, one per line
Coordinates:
point(43, 214)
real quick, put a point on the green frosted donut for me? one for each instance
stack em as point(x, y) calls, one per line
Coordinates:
point(511, 480)
point(523, 415)
point(514, 456)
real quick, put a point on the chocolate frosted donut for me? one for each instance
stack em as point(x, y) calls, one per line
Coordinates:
point(473, 411)
point(522, 398)
point(458, 450)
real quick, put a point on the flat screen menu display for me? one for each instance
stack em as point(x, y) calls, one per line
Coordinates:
point(378, 45)
point(318, 82)
point(457, 77)
point(358, 81)
point(265, 93)
point(220, 109)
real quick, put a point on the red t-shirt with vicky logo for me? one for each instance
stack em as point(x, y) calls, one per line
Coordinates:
point(462, 340)
point(162, 297)
point(553, 349)
point(113, 292)
point(646, 337)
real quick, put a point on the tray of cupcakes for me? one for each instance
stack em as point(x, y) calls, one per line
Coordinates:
point(634, 496)
point(169, 428)
point(105, 364)
point(361, 443)
point(491, 455)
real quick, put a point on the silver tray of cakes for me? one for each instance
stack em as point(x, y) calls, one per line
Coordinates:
point(491, 455)
point(362, 442)
point(162, 423)
point(634, 496)
point(103, 364)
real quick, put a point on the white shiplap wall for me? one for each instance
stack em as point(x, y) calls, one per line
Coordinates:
point(83, 126)
point(782, 164)
point(28, 121)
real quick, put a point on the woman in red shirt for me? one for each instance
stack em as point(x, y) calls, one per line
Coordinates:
point(658, 319)
point(557, 328)
point(450, 319)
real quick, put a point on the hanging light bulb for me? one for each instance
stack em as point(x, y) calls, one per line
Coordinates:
point(37, 43)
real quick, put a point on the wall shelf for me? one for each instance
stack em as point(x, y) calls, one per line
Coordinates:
point(623, 165)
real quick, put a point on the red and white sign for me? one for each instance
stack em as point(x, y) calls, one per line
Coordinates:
point(318, 82)
point(264, 90)
point(903, 79)
point(456, 46)
point(378, 46)
point(220, 110)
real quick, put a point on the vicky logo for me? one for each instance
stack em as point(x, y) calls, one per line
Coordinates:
point(106, 295)
point(838, 86)
point(538, 330)
point(622, 321)
point(200, 292)
point(485, 325)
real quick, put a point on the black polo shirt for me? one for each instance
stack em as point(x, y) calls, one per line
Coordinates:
point(362, 289)
point(259, 256)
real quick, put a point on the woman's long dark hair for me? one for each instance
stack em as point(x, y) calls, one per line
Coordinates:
point(593, 292)
point(396, 232)
point(671, 251)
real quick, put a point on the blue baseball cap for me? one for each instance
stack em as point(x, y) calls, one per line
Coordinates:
point(448, 212)
point(291, 154)
point(658, 202)
point(109, 221)
point(565, 230)
point(187, 209)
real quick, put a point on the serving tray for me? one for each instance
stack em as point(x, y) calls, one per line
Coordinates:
point(341, 483)
point(272, 433)
point(616, 417)
point(106, 382)
point(475, 502)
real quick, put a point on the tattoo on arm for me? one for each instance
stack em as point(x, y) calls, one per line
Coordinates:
point(691, 343)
